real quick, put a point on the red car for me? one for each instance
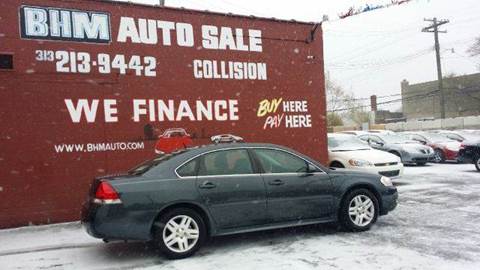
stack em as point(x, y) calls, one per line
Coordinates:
point(172, 139)
point(445, 148)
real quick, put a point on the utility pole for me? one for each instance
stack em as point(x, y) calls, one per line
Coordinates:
point(433, 28)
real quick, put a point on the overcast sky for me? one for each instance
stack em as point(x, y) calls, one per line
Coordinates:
point(373, 52)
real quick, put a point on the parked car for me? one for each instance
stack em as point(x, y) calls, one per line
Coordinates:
point(177, 200)
point(470, 153)
point(381, 131)
point(459, 136)
point(171, 140)
point(354, 132)
point(347, 151)
point(409, 151)
point(445, 148)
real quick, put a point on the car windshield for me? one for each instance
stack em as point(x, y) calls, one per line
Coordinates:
point(394, 138)
point(149, 164)
point(346, 143)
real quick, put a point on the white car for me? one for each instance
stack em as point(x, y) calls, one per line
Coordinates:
point(347, 151)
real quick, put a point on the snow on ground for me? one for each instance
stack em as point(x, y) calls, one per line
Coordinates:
point(434, 227)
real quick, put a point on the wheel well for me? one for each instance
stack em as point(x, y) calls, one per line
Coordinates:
point(362, 186)
point(336, 162)
point(191, 206)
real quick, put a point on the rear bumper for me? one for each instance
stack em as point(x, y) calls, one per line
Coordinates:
point(389, 201)
point(113, 222)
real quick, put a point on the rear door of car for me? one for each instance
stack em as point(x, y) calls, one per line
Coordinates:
point(231, 188)
point(293, 193)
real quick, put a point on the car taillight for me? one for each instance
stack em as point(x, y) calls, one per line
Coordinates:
point(106, 194)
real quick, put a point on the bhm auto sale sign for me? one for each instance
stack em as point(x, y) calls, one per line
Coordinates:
point(95, 87)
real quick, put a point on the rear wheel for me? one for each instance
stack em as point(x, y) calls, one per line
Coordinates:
point(477, 163)
point(179, 233)
point(359, 210)
point(336, 164)
point(439, 156)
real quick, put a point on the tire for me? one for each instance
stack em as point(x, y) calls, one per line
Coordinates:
point(477, 163)
point(347, 214)
point(184, 239)
point(336, 164)
point(439, 156)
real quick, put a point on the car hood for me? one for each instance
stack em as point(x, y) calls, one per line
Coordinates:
point(372, 155)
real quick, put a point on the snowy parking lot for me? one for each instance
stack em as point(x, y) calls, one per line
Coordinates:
point(436, 226)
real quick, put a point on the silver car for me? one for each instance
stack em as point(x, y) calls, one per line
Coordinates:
point(409, 151)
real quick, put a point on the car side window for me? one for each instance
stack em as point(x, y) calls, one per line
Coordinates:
point(226, 162)
point(276, 161)
point(375, 139)
point(188, 169)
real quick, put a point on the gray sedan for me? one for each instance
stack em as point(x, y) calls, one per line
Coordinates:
point(409, 151)
point(180, 199)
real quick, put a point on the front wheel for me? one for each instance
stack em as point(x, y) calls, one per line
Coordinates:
point(438, 157)
point(180, 233)
point(359, 210)
point(477, 163)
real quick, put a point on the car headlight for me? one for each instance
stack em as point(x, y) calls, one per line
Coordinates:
point(360, 163)
point(386, 181)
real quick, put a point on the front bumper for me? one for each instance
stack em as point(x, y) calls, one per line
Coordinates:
point(465, 156)
point(389, 200)
point(391, 171)
point(409, 157)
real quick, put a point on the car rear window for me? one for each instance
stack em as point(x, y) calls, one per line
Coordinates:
point(150, 164)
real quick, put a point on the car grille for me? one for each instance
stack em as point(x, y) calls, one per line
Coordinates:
point(385, 164)
point(424, 151)
point(390, 173)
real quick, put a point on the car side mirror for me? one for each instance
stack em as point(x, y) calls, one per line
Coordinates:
point(311, 169)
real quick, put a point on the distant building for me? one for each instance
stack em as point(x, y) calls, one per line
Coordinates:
point(385, 117)
point(422, 100)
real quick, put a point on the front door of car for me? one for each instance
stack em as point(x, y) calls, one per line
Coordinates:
point(296, 189)
point(233, 192)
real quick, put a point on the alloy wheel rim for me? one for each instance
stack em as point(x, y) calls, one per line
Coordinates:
point(478, 162)
point(438, 158)
point(181, 233)
point(361, 210)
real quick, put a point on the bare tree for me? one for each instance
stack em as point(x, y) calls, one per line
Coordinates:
point(342, 105)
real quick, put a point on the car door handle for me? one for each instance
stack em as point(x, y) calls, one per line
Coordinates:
point(276, 182)
point(207, 185)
